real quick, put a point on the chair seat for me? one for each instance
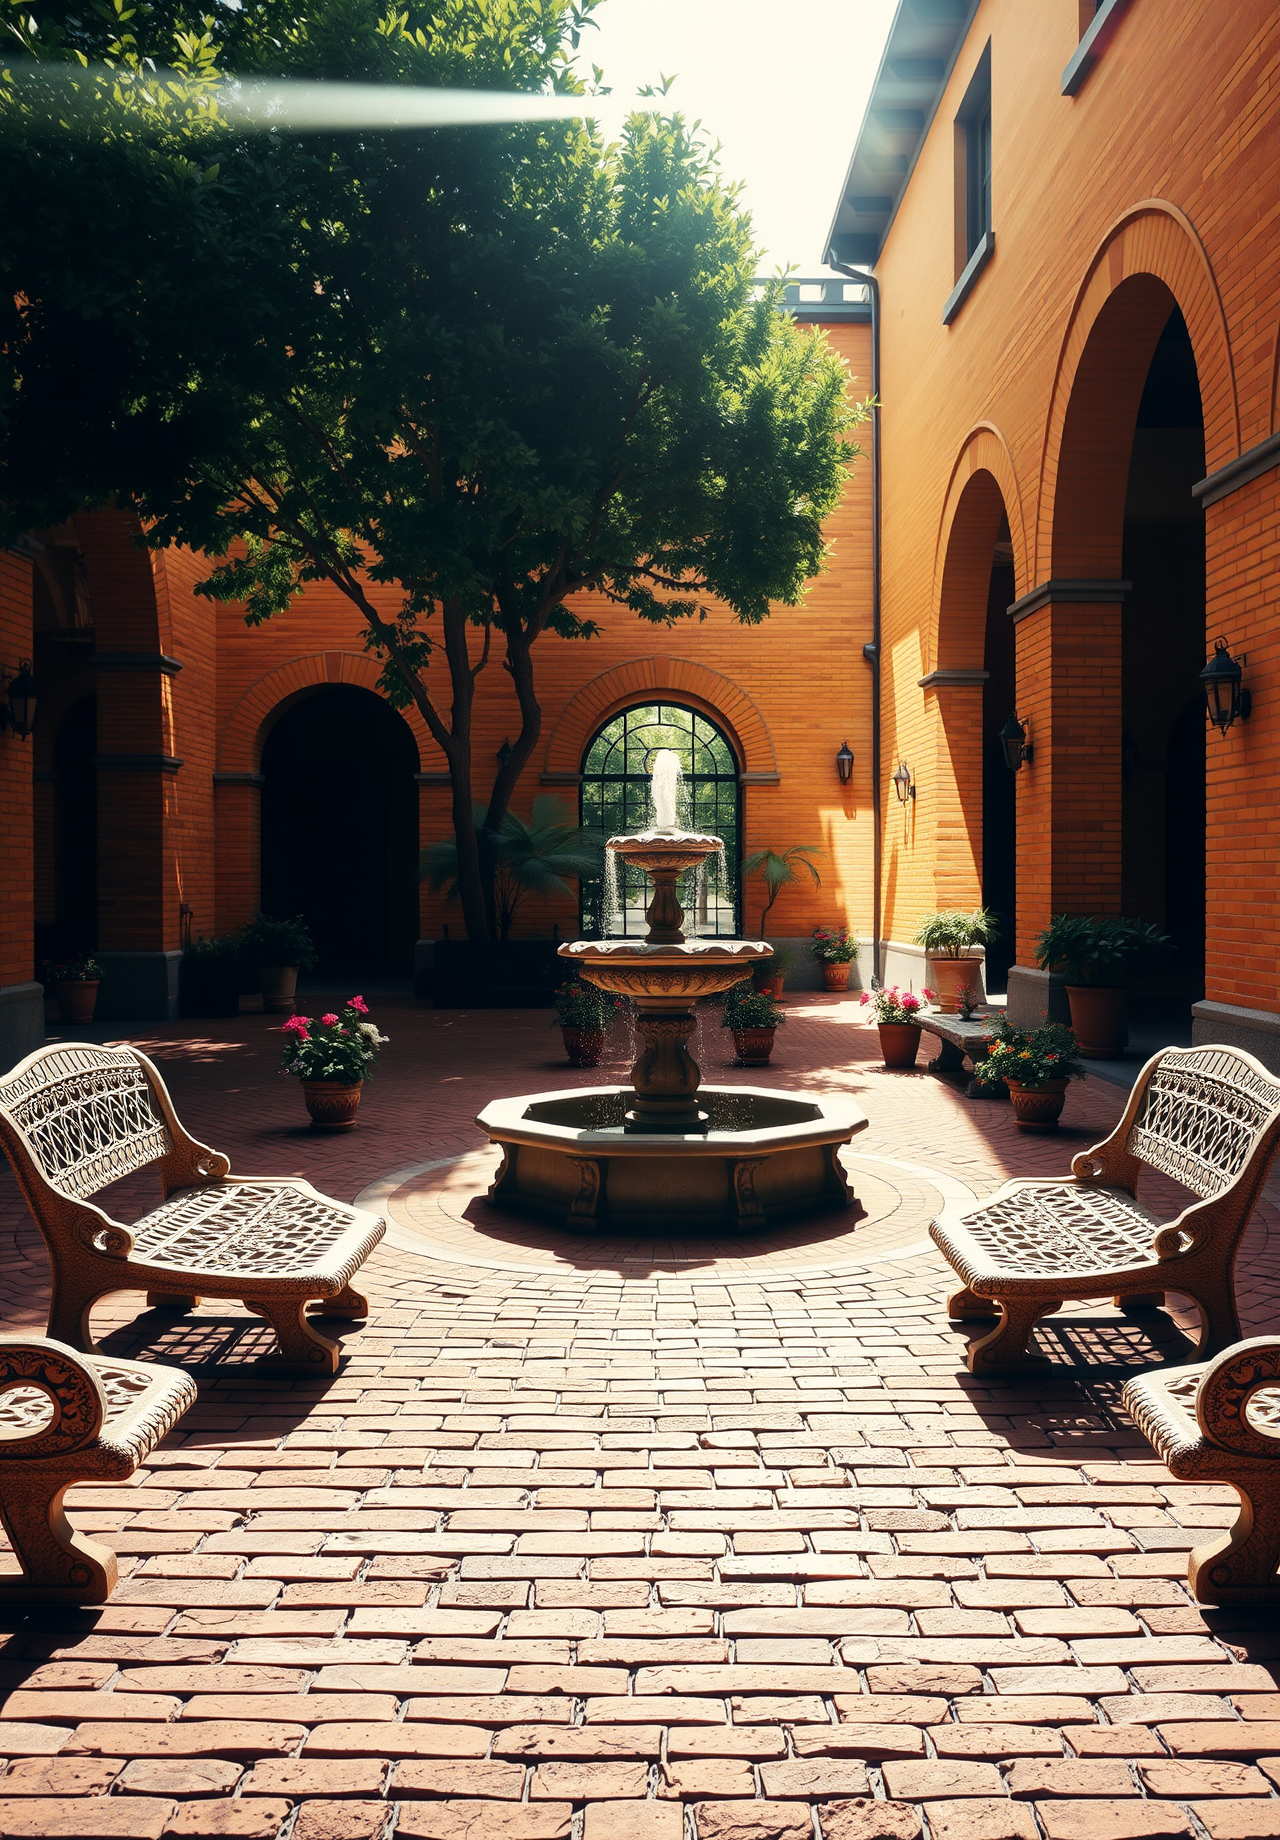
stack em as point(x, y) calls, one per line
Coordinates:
point(1040, 1231)
point(263, 1230)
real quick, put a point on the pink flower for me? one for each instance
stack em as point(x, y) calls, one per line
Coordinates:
point(909, 1001)
point(865, 998)
point(359, 1005)
point(296, 1025)
point(929, 995)
point(329, 1020)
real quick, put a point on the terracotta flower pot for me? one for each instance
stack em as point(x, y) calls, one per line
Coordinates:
point(948, 977)
point(583, 1046)
point(332, 1103)
point(76, 998)
point(1100, 1018)
point(836, 977)
point(1037, 1108)
point(754, 1046)
point(279, 986)
point(899, 1043)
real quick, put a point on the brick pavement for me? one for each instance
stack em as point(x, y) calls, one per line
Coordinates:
point(718, 1541)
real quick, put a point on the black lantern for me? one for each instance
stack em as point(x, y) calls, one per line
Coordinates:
point(1223, 696)
point(844, 762)
point(504, 752)
point(902, 783)
point(1014, 744)
point(22, 692)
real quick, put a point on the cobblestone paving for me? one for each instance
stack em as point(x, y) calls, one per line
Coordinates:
point(738, 1552)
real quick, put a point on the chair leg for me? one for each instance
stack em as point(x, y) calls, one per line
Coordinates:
point(300, 1345)
point(1006, 1345)
point(171, 1300)
point(349, 1304)
point(58, 1564)
point(1240, 1566)
point(69, 1308)
point(1139, 1302)
point(1219, 1318)
point(967, 1306)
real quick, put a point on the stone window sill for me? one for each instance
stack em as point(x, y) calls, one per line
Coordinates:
point(984, 249)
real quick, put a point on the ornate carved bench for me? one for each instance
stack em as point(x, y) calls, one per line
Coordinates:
point(1209, 1117)
point(75, 1118)
point(1219, 1421)
point(67, 1418)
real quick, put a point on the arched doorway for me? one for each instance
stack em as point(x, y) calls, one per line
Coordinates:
point(340, 829)
point(615, 798)
point(999, 785)
point(75, 834)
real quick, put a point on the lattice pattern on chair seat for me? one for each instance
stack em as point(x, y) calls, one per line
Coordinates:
point(88, 1117)
point(24, 1407)
point(1201, 1115)
point(237, 1228)
point(1038, 1233)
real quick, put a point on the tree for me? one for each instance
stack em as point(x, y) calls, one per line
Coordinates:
point(464, 377)
point(520, 858)
point(777, 868)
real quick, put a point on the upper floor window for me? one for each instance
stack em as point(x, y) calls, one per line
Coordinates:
point(973, 162)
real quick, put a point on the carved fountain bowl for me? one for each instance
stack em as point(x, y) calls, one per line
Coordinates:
point(677, 973)
point(664, 849)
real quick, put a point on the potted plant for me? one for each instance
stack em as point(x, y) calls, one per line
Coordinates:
point(777, 869)
point(332, 1057)
point(769, 974)
point(584, 1013)
point(280, 950)
point(1097, 954)
point(835, 952)
point(951, 939)
point(75, 983)
point(897, 1016)
point(755, 1019)
point(210, 974)
point(1036, 1066)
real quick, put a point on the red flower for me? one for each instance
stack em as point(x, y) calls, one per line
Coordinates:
point(359, 1005)
point(329, 1020)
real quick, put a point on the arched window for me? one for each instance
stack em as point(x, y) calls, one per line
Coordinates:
point(615, 798)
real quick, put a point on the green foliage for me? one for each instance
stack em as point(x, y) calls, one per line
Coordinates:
point(1102, 949)
point(460, 376)
point(953, 931)
point(341, 1045)
point(218, 949)
point(777, 868)
point(520, 858)
point(745, 1007)
point(80, 968)
point(580, 1005)
point(833, 946)
point(280, 942)
point(1029, 1057)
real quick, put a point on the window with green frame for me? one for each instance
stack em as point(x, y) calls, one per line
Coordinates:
point(615, 799)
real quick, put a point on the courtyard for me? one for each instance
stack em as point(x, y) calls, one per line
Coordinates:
point(638, 1539)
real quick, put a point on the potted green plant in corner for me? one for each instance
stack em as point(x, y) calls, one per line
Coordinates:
point(210, 975)
point(1036, 1066)
point(835, 952)
point(897, 1017)
point(1097, 954)
point(755, 1019)
point(769, 974)
point(281, 949)
point(75, 983)
point(952, 939)
point(332, 1056)
point(584, 1013)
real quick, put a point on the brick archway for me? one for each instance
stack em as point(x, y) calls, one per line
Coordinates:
point(247, 727)
point(677, 679)
point(982, 480)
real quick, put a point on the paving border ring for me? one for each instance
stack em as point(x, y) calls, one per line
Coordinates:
point(377, 1194)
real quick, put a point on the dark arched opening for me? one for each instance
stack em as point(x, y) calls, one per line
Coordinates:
point(340, 829)
point(999, 785)
point(75, 835)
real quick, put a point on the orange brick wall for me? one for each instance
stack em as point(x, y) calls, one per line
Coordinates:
point(1155, 185)
point(15, 784)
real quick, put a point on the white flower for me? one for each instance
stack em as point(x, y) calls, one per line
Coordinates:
point(371, 1030)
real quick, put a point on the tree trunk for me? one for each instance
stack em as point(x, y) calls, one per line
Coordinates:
point(475, 888)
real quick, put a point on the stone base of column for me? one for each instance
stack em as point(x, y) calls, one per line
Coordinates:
point(21, 1022)
point(1257, 1031)
point(1036, 997)
point(138, 986)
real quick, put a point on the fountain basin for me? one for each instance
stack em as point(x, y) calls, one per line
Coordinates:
point(765, 1157)
point(665, 976)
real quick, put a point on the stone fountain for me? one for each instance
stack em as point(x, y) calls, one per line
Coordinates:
point(669, 1153)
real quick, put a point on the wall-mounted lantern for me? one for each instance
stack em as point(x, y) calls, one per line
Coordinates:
point(1224, 698)
point(1014, 744)
point(18, 710)
point(903, 784)
point(844, 763)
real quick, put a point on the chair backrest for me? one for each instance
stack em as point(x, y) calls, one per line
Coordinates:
point(1202, 1113)
point(82, 1115)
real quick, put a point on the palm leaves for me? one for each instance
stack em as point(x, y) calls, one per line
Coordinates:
point(776, 868)
point(523, 858)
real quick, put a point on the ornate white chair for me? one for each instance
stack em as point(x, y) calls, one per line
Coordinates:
point(1209, 1117)
point(75, 1118)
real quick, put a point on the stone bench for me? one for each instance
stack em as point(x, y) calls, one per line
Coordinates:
point(66, 1418)
point(1219, 1421)
point(1209, 1118)
point(74, 1118)
point(960, 1041)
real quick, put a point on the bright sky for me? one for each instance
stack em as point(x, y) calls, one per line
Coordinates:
point(781, 87)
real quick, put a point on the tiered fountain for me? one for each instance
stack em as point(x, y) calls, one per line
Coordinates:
point(669, 1152)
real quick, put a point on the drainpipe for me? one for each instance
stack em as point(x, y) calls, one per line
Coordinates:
point(872, 652)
